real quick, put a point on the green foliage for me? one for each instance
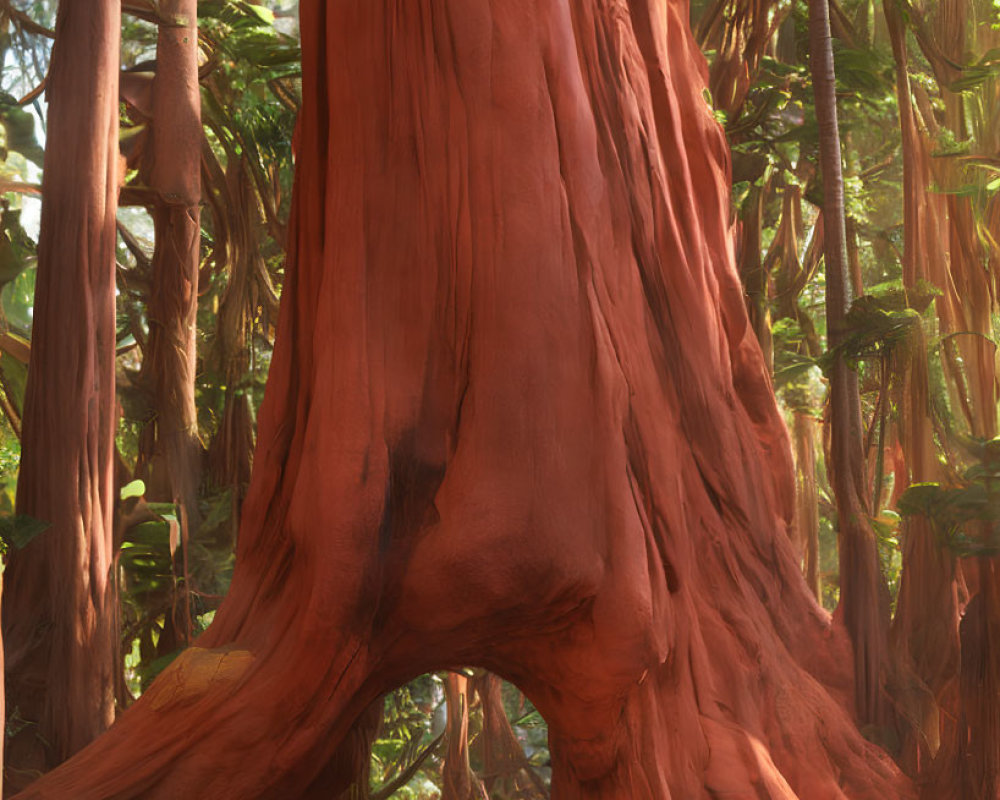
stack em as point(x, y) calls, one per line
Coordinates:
point(149, 579)
point(530, 728)
point(18, 300)
point(965, 516)
point(796, 375)
point(976, 74)
point(16, 530)
point(19, 130)
point(413, 721)
point(874, 328)
point(829, 565)
point(886, 528)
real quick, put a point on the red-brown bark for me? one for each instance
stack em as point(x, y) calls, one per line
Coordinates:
point(59, 605)
point(459, 782)
point(863, 596)
point(173, 171)
point(506, 770)
point(946, 625)
point(516, 418)
point(234, 212)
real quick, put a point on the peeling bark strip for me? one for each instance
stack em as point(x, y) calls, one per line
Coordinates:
point(516, 418)
point(59, 606)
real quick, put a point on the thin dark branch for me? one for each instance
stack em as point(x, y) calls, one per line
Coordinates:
point(407, 774)
point(25, 22)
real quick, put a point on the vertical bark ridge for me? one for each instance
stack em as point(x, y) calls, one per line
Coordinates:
point(511, 289)
point(863, 593)
point(59, 620)
point(170, 448)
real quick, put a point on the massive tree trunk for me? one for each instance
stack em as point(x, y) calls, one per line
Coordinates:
point(59, 604)
point(516, 418)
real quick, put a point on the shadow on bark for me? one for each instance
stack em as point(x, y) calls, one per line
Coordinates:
point(516, 419)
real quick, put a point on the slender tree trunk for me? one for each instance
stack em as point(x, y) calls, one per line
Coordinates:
point(459, 781)
point(754, 274)
point(235, 214)
point(854, 257)
point(59, 611)
point(506, 769)
point(170, 360)
point(863, 595)
point(516, 418)
point(806, 497)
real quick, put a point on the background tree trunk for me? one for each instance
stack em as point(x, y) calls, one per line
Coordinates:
point(170, 361)
point(947, 623)
point(806, 536)
point(506, 770)
point(863, 595)
point(516, 418)
point(459, 781)
point(59, 615)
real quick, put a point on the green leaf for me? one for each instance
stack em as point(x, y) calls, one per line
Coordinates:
point(165, 510)
point(17, 530)
point(919, 499)
point(787, 375)
point(265, 15)
point(134, 489)
point(156, 533)
point(973, 77)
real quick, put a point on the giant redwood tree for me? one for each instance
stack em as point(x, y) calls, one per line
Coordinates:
point(516, 418)
point(59, 624)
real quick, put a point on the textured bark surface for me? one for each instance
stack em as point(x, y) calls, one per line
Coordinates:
point(945, 632)
point(59, 605)
point(459, 782)
point(806, 529)
point(516, 418)
point(506, 770)
point(173, 172)
point(233, 209)
point(864, 599)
